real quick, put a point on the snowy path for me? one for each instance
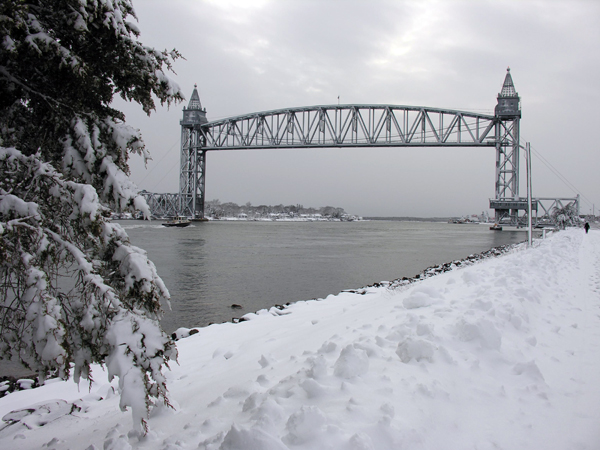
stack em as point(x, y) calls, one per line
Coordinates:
point(504, 354)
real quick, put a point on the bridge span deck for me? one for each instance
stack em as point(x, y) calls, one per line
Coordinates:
point(351, 126)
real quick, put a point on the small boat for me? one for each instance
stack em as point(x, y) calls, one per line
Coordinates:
point(496, 227)
point(179, 221)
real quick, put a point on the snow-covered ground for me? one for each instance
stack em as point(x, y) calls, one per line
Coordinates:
point(503, 354)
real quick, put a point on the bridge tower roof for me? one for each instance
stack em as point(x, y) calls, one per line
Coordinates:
point(508, 88)
point(195, 99)
point(194, 115)
point(508, 107)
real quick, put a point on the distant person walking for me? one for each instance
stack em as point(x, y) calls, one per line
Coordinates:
point(586, 227)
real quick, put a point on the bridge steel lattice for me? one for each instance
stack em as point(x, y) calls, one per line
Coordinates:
point(548, 206)
point(162, 205)
point(353, 126)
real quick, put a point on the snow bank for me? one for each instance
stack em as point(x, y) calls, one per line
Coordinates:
point(503, 354)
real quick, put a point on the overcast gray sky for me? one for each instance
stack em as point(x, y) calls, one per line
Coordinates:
point(256, 55)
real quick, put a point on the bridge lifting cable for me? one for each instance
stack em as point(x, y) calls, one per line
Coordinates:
point(167, 173)
point(560, 176)
point(158, 164)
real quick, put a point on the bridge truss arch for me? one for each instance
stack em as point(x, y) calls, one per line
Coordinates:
point(351, 126)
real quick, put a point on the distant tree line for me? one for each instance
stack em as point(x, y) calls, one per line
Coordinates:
point(216, 209)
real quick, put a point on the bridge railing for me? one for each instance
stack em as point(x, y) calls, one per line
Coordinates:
point(351, 126)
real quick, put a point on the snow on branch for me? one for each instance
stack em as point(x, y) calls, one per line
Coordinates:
point(76, 291)
point(95, 151)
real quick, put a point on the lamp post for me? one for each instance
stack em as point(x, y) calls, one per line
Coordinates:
point(528, 169)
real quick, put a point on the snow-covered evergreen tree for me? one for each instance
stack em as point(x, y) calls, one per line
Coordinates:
point(566, 216)
point(73, 290)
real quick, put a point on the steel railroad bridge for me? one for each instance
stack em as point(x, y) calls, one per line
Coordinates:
point(353, 126)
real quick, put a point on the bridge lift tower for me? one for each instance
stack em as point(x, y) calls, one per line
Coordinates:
point(193, 159)
point(508, 115)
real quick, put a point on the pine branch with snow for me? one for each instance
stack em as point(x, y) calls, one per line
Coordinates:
point(74, 291)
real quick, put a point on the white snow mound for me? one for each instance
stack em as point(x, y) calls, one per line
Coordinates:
point(502, 354)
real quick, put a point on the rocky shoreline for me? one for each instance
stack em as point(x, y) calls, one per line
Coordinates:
point(398, 283)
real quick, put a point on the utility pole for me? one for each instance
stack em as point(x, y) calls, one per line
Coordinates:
point(528, 169)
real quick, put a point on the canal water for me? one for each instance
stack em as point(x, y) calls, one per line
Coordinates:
point(210, 266)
